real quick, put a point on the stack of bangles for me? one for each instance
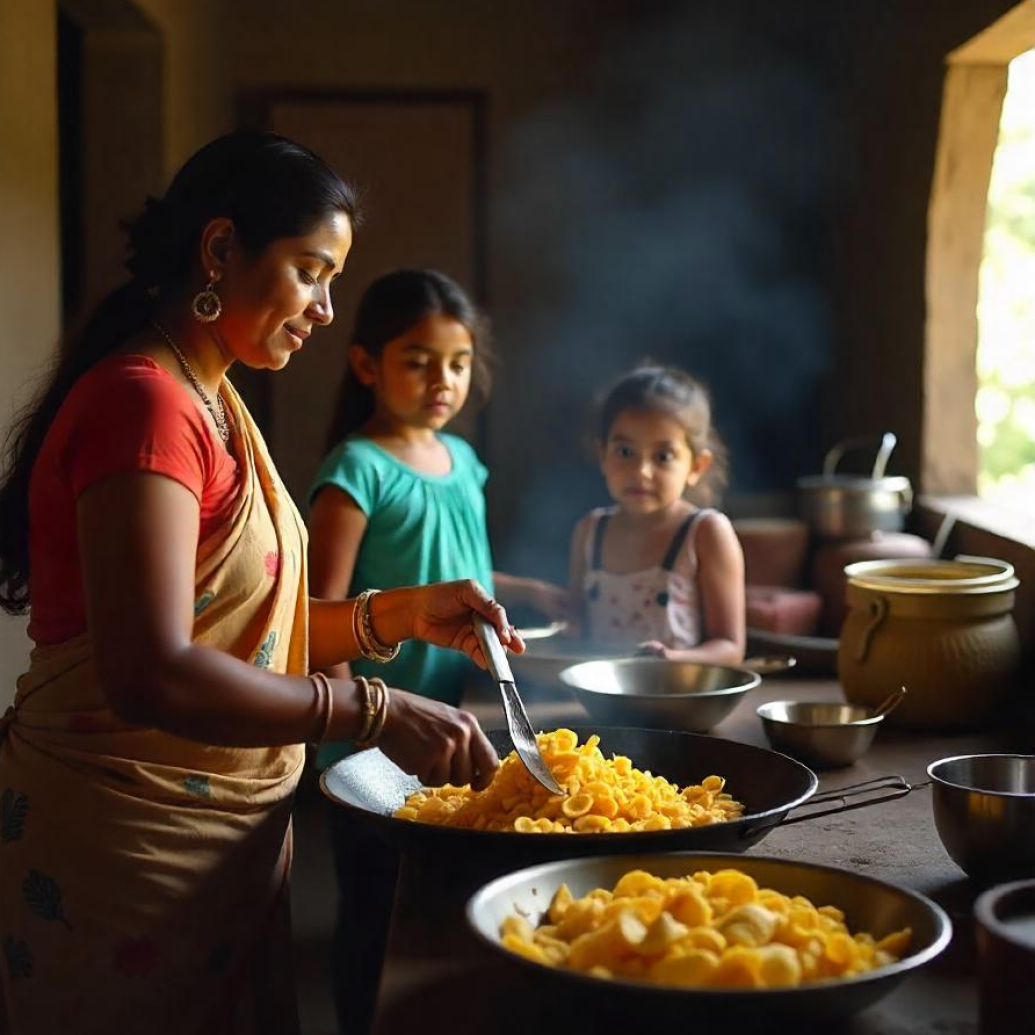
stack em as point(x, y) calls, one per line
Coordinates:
point(374, 707)
point(375, 710)
point(369, 645)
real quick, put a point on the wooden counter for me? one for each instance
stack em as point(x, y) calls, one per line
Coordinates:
point(437, 978)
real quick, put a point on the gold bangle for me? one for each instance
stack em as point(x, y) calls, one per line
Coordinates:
point(382, 711)
point(370, 646)
point(368, 707)
point(380, 693)
point(324, 704)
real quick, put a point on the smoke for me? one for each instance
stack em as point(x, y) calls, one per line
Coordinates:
point(674, 210)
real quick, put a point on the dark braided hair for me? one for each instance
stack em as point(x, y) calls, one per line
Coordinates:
point(270, 187)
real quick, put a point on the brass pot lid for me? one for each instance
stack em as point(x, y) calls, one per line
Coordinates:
point(964, 575)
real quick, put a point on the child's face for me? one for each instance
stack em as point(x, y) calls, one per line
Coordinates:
point(422, 378)
point(647, 461)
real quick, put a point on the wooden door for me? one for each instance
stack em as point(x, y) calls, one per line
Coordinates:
point(416, 161)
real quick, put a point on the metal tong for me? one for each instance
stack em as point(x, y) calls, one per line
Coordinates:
point(521, 732)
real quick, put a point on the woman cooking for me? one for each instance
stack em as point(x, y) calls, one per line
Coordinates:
point(148, 765)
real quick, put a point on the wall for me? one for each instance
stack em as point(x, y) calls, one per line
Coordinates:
point(892, 70)
point(195, 106)
point(740, 188)
point(29, 265)
point(195, 74)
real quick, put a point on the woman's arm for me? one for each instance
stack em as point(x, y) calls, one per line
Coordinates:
point(439, 613)
point(336, 529)
point(138, 535)
point(138, 541)
point(720, 580)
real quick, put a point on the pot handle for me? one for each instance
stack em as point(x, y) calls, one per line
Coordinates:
point(878, 612)
point(895, 786)
point(888, 441)
point(768, 664)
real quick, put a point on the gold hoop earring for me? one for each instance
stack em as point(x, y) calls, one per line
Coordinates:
point(207, 305)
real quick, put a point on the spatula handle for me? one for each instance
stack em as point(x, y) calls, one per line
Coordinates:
point(495, 655)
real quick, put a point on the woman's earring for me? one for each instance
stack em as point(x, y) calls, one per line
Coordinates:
point(207, 305)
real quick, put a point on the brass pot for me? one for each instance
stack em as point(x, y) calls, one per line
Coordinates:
point(944, 629)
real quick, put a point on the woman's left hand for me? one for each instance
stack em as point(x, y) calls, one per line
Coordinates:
point(440, 614)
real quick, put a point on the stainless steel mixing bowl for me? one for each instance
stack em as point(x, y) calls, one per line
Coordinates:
point(869, 905)
point(984, 809)
point(655, 693)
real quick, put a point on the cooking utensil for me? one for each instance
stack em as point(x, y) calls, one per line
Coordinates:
point(819, 733)
point(945, 628)
point(521, 732)
point(868, 904)
point(543, 632)
point(842, 506)
point(814, 654)
point(1006, 943)
point(890, 703)
point(984, 810)
point(660, 694)
point(547, 656)
point(770, 785)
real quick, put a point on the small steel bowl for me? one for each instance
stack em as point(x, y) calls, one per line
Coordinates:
point(1005, 930)
point(821, 734)
point(984, 809)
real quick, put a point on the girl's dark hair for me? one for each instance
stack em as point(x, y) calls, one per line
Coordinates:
point(388, 309)
point(268, 186)
point(677, 395)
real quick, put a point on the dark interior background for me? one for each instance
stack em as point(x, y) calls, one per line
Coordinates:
point(739, 188)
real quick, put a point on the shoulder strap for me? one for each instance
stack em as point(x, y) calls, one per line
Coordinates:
point(598, 540)
point(680, 538)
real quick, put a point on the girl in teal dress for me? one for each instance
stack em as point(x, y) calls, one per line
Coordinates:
point(398, 502)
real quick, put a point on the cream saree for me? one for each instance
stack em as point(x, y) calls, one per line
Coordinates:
point(143, 877)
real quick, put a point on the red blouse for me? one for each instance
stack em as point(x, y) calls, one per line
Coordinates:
point(125, 414)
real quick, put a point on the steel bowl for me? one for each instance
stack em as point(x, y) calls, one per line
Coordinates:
point(984, 809)
point(869, 905)
point(548, 653)
point(654, 693)
point(821, 734)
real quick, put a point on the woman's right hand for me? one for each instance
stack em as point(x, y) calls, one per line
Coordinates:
point(437, 743)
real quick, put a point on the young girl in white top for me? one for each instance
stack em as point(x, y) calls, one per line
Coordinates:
point(656, 572)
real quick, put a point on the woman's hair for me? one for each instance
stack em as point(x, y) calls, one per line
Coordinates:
point(389, 308)
point(675, 394)
point(268, 186)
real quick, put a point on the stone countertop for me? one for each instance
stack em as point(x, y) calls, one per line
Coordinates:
point(437, 978)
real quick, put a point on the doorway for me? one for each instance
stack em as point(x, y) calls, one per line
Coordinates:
point(418, 161)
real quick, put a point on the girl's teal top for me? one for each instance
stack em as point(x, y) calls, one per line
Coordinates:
point(420, 528)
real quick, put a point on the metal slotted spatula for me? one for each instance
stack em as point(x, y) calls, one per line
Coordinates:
point(521, 732)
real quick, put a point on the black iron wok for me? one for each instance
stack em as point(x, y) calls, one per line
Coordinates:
point(769, 784)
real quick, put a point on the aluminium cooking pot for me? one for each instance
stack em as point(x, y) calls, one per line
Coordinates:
point(845, 506)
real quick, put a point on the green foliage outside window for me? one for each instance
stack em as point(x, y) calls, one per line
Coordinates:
point(1005, 401)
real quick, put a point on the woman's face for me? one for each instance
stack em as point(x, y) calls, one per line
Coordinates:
point(274, 300)
point(422, 378)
